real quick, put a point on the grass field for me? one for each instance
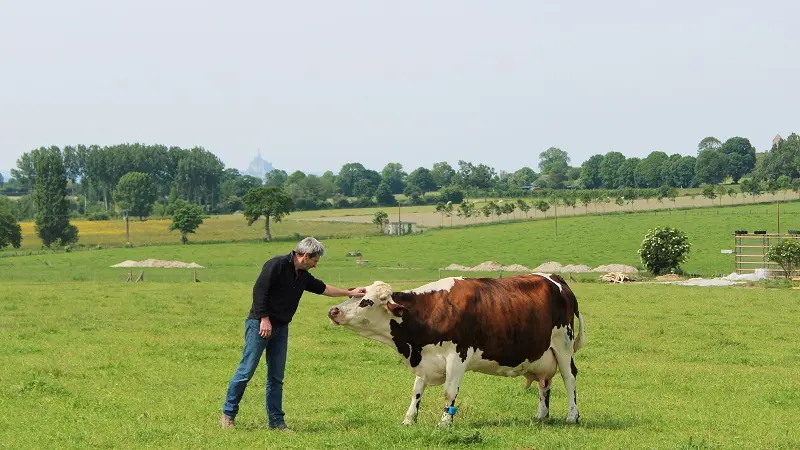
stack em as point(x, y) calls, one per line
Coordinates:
point(90, 361)
point(112, 365)
point(357, 221)
point(589, 240)
point(214, 229)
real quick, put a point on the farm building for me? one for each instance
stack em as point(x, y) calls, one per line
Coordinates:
point(401, 228)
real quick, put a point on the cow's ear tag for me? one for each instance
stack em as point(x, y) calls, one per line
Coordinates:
point(395, 309)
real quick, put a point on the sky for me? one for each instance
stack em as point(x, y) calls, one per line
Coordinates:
point(313, 85)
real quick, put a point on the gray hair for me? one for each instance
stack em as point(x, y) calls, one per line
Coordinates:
point(311, 247)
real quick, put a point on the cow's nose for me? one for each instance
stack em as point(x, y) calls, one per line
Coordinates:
point(333, 312)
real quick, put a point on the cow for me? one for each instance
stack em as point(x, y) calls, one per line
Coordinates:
point(521, 325)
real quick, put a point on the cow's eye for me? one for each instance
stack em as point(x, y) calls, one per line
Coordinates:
point(365, 302)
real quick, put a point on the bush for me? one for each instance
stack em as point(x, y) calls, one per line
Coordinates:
point(98, 216)
point(663, 250)
point(786, 254)
point(452, 194)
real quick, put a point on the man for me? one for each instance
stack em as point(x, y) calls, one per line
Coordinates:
point(276, 296)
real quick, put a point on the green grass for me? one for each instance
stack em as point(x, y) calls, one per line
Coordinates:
point(115, 365)
point(589, 240)
point(89, 361)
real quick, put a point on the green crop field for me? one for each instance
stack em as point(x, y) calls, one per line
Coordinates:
point(91, 361)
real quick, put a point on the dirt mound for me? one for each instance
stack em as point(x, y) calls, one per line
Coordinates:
point(576, 268)
point(456, 267)
point(668, 277)
point(516, 268)
point(548, 267)
point(487, 266)
point(615, 268)
point(158, 263)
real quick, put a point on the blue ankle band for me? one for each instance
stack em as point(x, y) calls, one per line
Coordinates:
point(451, 410)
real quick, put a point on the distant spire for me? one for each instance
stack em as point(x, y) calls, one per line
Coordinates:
point(777, 139)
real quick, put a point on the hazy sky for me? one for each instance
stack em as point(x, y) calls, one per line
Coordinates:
point(316, 84)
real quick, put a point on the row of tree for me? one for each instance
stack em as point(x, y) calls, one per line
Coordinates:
point(146, 179)
point(51, 210)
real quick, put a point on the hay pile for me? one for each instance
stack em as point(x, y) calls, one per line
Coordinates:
point(548, 267)
point(159, 263)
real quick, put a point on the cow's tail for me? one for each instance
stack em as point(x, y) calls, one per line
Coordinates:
point(580, 340)
point(572, 310)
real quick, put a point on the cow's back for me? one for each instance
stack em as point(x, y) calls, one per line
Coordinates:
point(509, 319)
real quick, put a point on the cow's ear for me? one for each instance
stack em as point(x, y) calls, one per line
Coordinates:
point(396, 309)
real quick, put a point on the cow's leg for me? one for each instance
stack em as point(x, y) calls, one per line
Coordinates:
point(566, 366)
point(413, 409)
point(544, 399)
point(455, 372)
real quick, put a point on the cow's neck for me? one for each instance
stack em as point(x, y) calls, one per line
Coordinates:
point(379, 332)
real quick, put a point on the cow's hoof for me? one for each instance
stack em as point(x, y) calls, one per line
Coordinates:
point(445, 424)
point(541, 418)
point(409, 422)
point(574, 420)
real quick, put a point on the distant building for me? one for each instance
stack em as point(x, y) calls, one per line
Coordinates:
point(776, 140)
point(401, 228)
point(258, 167)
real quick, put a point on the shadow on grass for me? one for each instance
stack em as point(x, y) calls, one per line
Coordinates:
point(601, 423)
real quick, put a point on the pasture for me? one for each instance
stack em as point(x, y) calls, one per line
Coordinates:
point(91, 361)
point(589, 239)
point(98, 365)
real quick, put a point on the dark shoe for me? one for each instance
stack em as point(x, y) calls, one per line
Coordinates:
point(281, 427)
point(225, 422)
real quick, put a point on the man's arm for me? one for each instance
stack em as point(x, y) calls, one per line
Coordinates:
point(333, 291)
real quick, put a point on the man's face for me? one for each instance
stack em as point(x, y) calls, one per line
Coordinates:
point(305, 262)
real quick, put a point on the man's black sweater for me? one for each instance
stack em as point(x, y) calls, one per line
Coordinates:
point(277, 291)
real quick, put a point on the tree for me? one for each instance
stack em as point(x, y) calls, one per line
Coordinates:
point(49, 197)
point(384, 196)
point(393, 175)
point(442, 174)
point(381, 218)
point(523, 206)
point(740, 157)
point(609, 167)
point(663, 250)
point(554, 164)
point(186, 219)
point(2, 180)
point(275, 178)
point(711, 167)
point(682, 172)
point(10, 231)
point(268, 202)
point(708, 143)
point(364, 188)
point(590, 175)
point(649, 172)
point(136, 193)
point(420, 180)
point(542, 206)
point(786, 254)
point(349, 174)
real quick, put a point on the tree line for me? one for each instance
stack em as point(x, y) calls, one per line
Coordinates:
point(139, 180)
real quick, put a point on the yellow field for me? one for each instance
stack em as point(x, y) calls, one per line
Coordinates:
point(216, 228)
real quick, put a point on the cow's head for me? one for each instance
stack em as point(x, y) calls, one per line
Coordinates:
point(370, 312)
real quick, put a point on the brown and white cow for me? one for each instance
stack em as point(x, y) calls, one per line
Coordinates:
point(515, 326)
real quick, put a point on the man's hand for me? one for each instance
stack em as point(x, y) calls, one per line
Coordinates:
point(357, 292)
point(265, 330)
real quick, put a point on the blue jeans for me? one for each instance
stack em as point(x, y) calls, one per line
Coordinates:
point(254, 346)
